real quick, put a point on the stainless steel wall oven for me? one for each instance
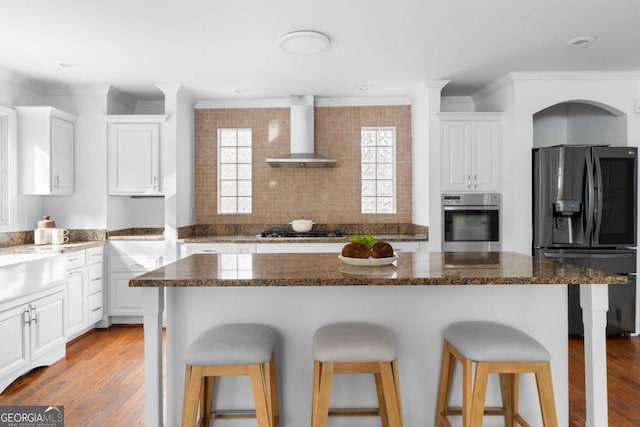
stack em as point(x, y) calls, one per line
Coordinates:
point(471, 222)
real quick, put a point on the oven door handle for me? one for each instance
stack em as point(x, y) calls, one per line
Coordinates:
point(472, 208)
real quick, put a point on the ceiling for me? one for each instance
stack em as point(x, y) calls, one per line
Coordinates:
point(229, 49)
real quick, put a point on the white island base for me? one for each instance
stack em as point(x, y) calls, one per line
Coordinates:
point(416, 314)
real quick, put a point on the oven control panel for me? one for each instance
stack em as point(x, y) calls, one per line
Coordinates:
point(471, 199)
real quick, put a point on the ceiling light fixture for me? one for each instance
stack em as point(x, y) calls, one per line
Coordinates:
point(304, 42)
point(364, 88)
point(580, 41)
point(243, 90)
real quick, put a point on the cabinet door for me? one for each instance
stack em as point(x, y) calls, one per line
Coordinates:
point(47, 324)
point(134, 158)
point(62, 135)
point(123, 300)
point(456, 156)
point(14, 336)
point(485, 155)
point(75, 301)
point(95, 309)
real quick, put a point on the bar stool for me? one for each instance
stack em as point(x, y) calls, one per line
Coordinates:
point(494, 348)
point(239, 349)
point(355, 348)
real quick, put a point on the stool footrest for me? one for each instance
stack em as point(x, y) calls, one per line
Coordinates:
point(229, 414)
point(354, 412)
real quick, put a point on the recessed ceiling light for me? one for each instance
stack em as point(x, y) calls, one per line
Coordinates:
point(243, 90)
point(304, 42)
point(65, 63)
point(580, 41)
point(364, 88)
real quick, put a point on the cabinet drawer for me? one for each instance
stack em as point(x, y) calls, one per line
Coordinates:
point(137, 262)
point(95, 281)
point(95, 307)
point(95, 255)
point(74, 260)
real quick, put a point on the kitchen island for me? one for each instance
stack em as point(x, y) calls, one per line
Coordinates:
point(415, 297)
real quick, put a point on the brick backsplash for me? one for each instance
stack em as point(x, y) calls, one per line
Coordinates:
point(324, 195)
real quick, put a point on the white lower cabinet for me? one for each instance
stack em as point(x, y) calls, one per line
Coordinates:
point(32, 332)
point(84, 271)
point(285, 247)
point(128, 259)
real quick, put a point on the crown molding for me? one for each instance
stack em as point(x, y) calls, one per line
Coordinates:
point(456, 100)
point(555, 75)
point(70, 90)
point(286, 102)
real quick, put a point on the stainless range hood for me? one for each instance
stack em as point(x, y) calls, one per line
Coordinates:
point(302, 145)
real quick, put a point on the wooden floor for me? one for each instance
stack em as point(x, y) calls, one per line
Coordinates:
point(100, 382)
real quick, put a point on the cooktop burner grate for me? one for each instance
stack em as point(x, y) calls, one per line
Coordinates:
point(290, 233)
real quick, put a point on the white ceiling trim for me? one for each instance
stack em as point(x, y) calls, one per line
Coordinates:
point(286, 102)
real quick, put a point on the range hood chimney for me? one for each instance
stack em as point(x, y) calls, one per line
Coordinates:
point(302, 145)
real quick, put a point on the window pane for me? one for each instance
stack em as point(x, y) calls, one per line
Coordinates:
point(385, 205)
point(244, 155)
point(227, 204)
point(368, 205)
point(368, 137)
point(244, 171)
point(228, 188)
point(368, 155)
point(385, 154)
point(368, 187)
point(228, 171)
point(228, 138)
point(244, 204)
point(244, 138)
point(368, 171)
point(244, 188)
point(385, 137)
point(228, 155)
point(385, 171)
point(385, 188)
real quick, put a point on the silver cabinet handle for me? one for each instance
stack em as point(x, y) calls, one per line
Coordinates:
point(155, 182)
point(468, 181)
point(96, 279)
point(211, 251)
point(74, 273)
point(27, 316)
point(136, 265)
point(96, 309)
point(475, 181)
point(34, 314)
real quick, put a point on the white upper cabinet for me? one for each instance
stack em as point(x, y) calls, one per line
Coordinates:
point(134, 154)
point(471, 144)
point(46, 147)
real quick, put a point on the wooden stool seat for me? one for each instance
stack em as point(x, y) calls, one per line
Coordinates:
point(494, 348)
point(229, 350)
point(356, 348)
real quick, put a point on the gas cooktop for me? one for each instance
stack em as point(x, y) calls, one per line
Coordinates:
point(308, 234)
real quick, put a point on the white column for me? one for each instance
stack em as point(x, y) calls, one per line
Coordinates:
point(594, 300)
point(153, 305)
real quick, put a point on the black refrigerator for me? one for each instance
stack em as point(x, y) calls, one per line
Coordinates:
point(584, 213)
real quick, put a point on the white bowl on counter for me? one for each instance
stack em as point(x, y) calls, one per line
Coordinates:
point(302, 225)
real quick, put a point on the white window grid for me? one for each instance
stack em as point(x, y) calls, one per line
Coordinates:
point(234, 171)
point(378, 170)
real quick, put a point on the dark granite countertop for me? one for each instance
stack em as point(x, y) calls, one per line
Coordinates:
point(258, 239)
point(410, 269)
point(55, 249)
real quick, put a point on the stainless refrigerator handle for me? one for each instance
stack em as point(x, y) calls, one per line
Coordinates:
point(598, 222)
point(590, 198)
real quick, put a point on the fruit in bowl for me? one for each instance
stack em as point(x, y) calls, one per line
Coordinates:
point(365, 247)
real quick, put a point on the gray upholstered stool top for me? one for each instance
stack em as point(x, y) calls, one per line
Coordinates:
point(353, 342)
point(239, 344)
point(494, 342)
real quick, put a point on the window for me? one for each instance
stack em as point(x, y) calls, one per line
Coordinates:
point(378, 170)
point(234, 171)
